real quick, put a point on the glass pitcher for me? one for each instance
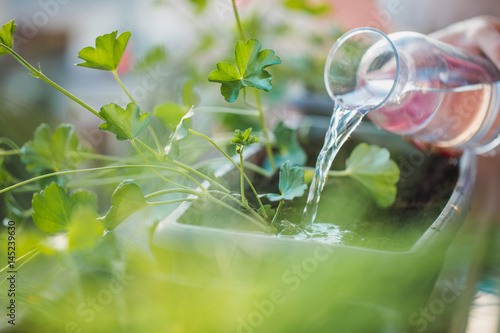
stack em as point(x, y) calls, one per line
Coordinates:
point(410, 84)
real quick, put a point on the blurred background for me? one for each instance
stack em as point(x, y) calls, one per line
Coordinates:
point(175, 41)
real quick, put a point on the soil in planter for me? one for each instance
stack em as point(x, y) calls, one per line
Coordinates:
point(347, 214)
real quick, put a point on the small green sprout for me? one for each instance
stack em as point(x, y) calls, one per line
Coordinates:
point(243, 139)
point(291, 185)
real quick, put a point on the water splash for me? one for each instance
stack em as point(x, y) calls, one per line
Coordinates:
point(321, 232)
point(342, 124)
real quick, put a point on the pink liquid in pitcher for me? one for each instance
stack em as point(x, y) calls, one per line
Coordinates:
point(447, 113)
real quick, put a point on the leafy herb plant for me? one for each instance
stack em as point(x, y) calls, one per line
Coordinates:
point(53, 159)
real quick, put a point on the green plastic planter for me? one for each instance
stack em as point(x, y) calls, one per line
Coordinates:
point(237, 281)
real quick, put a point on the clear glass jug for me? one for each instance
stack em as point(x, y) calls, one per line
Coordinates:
point(410, 84)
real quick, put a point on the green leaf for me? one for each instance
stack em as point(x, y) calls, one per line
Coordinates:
point(306, 6)
point(7, 36)
point(126, 124)
point(126, 200)
point(56, 211)
point(170, 114)
point(372, 167)
point(107, 53)
point(269, 211)
point(244, 139)
point(181, 131)
point(53, 207)
point(248, 72)
point(291, 183)
point(288, 145)
point(51, 152)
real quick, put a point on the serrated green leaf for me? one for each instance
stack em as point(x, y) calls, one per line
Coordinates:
point(7, 36)
point(288, 145)
point(372, 167)
point(126, 200)
point(125, 124)
point(181, 131)
point(51, 152)
point(170, 114)
point(244, 139)
point(248, 72)
point(291, 183)
point(53, 207)
point(107, 53)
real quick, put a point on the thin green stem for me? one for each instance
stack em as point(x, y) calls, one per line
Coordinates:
point(273, 222)
point(262, 120)
point(162, 177)
point(199, 174)
point(256, 195)
point(259, 224)
point(94, 156)
point(155, 138)
point(172, 191)
point(159, 203)
point(339, 173)
point(139, 151)
point(220, 160)
point(151, 130)
point(69, 172)
point(21, 264)
point(253, 212)
point(157, 155)
point(115, 73)
point(104, 181)
point(10, 152)
point(19, 258)
point(38, 74)
point(238, 22)
point(242, 176)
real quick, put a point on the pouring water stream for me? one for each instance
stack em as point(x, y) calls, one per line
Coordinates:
point(342, 124)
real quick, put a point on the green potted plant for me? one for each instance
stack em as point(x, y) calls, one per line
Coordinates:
point(240, 268)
